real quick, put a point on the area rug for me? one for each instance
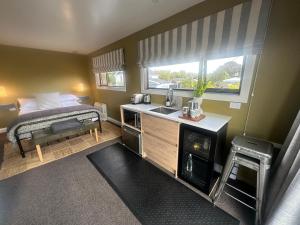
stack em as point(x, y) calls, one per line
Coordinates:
point(14, 164)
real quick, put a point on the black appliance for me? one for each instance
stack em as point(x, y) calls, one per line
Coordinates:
point(199, 149)
point(132, 118)
point(132, 139)
point(131, 130)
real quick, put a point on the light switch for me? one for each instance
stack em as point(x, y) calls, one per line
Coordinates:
point(235, 105)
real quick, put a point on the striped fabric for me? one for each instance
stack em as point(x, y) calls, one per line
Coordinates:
point(111, 61)
point(239, 30)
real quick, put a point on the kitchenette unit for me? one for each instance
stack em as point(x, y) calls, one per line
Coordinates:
point(192, 151)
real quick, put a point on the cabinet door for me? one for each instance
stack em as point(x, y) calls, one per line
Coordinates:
point(161, 152)
point(160, 141)
point(164, 129)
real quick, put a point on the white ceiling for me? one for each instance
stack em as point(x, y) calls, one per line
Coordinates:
point(79, 26)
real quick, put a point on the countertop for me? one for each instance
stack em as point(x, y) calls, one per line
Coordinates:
point(212, 122)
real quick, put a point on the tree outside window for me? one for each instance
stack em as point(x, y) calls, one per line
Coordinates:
point(223, 75)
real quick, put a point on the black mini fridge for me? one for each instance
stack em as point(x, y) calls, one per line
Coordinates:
point(198, 151)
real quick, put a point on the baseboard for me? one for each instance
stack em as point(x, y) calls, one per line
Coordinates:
point(112, 120)
point(3, 130)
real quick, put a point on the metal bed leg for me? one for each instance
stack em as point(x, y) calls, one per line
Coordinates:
point(99, 121)
point(20, 147)
point(100, 126)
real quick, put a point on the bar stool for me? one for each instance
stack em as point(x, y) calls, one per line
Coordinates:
point(256, 155)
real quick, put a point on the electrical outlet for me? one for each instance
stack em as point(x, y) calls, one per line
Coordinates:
point(235, 105)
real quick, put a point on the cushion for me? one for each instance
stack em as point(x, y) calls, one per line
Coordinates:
point(62, 126)
point(48, 100)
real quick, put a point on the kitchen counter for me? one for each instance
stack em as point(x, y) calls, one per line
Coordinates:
point(212, 122)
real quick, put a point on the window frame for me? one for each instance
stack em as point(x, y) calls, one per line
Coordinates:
point(225, 90)
point(179, 89)
point(106, 86)
point(249, 66)
point(147, 84)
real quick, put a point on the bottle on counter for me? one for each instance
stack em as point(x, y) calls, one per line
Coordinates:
point(168, 102)
point(189, 164)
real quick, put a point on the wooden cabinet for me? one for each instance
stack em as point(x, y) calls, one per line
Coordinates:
point(162, 128)
point(160, 141)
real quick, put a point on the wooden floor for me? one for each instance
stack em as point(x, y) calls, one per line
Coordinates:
point(14, 164)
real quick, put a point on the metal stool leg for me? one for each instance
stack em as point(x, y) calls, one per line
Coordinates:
point(262, 178)
point(258, 193)
point(226, 172)
point(255, 155)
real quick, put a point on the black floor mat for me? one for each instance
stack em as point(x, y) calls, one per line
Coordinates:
point(153, 196)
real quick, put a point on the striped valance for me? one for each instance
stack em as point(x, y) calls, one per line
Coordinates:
point(239, 30)
point(111, 61)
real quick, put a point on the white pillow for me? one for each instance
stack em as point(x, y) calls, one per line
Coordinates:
point(27, 103)
point(68, 97)
point(48, 100)
point(69, 103)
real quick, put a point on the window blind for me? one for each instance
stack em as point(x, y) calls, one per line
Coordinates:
point(111, 61)
point(239, 30)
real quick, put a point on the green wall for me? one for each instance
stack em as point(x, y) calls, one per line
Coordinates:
point(277, 90)
point(25, 71)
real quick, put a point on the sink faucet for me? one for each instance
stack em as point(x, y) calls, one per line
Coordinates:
point(170, 96)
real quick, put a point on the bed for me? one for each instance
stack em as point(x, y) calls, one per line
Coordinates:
point(34, 116)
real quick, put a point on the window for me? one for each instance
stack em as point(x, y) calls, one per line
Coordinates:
point(224, 75)
point(228, 79)
point(114, 80)
point(179, 76)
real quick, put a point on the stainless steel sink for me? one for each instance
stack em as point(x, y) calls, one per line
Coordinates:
point(164, 110)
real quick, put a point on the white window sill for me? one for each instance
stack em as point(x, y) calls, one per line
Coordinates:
point(210, 96)
point(123, 89)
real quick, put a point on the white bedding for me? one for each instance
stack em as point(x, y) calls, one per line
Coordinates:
point(25, 111)
point(30, 110)
point(29, 105)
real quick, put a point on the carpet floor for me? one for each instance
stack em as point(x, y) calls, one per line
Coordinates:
point(67, 191)
point(70, 191)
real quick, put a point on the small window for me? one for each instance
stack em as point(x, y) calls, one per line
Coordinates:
point(103, 79)
point(224, 75)
point(179, 76)
point(114, 80)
